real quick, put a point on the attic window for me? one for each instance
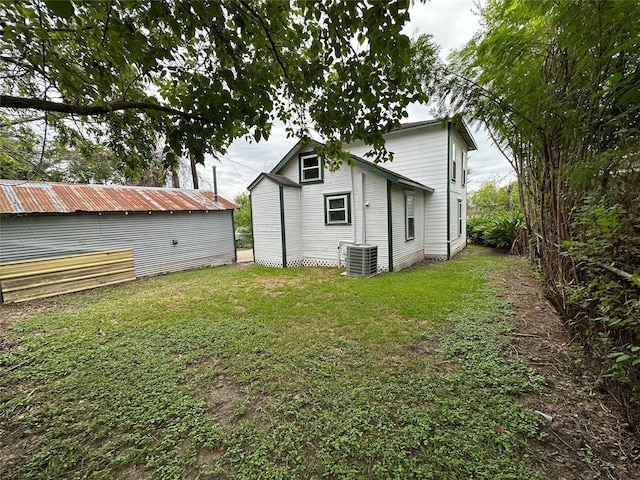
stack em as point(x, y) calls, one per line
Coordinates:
point(310, 168)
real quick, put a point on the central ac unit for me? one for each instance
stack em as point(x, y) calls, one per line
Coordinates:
point(362, 260)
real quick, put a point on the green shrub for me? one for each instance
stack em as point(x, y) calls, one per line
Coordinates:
point(498, 231)
point(605, 249)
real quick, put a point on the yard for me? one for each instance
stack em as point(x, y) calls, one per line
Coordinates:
point(252, 372)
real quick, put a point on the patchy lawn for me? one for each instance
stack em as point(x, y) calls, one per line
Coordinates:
point(252, 372)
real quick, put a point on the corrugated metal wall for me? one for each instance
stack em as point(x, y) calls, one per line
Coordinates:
point(203, 238)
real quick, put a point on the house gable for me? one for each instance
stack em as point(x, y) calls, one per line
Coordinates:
point(286, 170)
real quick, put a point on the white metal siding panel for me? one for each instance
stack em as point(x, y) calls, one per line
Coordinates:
point(407, 252)
point(293, 226)
point(202, 238)
point(421, 154)
point(458, 192)
point(376, 228)
point(321, 242)
point(265, 214)
point(418, 154)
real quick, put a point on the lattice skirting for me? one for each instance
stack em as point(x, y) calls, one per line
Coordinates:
point(313, 262)
point(268, 263)
point(435, 257)
point(307, 262)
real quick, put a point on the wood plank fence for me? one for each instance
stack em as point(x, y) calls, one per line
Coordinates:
point(46, 277)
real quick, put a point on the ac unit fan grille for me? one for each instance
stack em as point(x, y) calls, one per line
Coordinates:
point(362, 260)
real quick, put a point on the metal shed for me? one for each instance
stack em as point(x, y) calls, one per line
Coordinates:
point(168, 229)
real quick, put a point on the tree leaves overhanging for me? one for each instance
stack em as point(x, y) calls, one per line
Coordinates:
point(201, 74)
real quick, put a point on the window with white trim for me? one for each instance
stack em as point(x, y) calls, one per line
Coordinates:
point(337, 209)
point(454, 161)
point(410, 220)
point(464, 168)
point(459, 217)
point(310, 168)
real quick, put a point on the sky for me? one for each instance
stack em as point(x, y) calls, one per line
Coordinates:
point(452, 23)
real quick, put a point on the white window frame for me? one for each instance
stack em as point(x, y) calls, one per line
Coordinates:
point(459, 217)
point(409, 218)
point(454, 160)
point(303, 169)
point(346, 197)
point(464, 168)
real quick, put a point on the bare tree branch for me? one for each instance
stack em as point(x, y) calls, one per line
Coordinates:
point(7, 101)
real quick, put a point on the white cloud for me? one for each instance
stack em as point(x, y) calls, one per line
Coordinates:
point(452, 23)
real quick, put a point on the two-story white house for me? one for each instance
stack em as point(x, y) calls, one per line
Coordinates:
point(407, 210)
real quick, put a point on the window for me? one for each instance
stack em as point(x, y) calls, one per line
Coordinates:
point(337, 209)
point(459, 217)
point(464, 168)
point(454, 161)
point(310, 168)
point(410, 221)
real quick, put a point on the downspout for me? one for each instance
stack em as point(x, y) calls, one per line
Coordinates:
point(364, 210)
point(354, 238)
point(253, 243)
point(389, 226)
point(282, 228)
point(449, 190)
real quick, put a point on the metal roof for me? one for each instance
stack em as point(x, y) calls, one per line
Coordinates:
point(21, 197)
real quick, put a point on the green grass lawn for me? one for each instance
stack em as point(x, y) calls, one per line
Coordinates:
point(268, 373)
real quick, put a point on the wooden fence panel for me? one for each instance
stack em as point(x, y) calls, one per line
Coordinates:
point(31, 279)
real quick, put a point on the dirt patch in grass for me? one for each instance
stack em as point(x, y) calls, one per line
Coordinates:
point(586, 434)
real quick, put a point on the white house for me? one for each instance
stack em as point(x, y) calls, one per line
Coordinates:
point(408, 210)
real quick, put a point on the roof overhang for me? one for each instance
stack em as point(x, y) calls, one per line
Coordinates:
point(458, 124)
point(277, 179)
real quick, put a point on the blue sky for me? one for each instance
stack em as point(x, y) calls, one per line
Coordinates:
point(452, 23)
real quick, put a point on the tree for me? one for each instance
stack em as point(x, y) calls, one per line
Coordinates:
point(490, 197)
point(242, 218)
point(28, 155)
point(200, 74)
point(556, 85)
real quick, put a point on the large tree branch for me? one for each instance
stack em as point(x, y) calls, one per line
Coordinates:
point(267, 32)
point(7, 101)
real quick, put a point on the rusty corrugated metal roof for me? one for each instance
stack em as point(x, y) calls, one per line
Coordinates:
point(21, 197)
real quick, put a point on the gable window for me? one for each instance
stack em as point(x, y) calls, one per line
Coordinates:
point(410, 220)
point(459, 217)
point(310, 168)
point(454, 161)
point(337, 209)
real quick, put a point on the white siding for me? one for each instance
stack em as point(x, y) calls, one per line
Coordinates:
point(322, 242)
point(265, 214)
point(407, 252)
point(201, 238)
point(458, 192)
point(422, 155)
point(293, 226)
point(376, 226)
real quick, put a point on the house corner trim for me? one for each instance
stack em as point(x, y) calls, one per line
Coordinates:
point(389, 226)
point(283, 234)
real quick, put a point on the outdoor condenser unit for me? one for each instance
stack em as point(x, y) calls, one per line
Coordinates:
point(362, 260)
